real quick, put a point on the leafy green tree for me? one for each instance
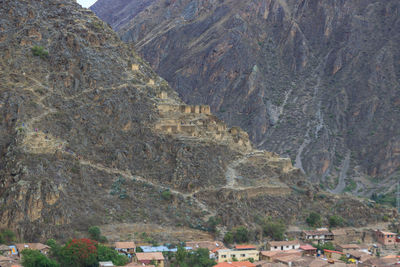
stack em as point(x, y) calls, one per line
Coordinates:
point(336, 221)
point(79, 253)
point(200, 258)
point(108, 254)
point(180, 256)
point(314, 219)
point(228, 238)
point(166, 195)
point(327, 245)
point(33, 258)
point(94, 233)
point(55, 248)
point(241, 234)
point(274, 229)
point(139, 249)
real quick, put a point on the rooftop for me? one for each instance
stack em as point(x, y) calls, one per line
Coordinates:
point(349, 246)
point(125, 245)
point(143, 256)
point(283, 243)
point(245, 247)
point(35, 246)
point(210, 245)
point(235, 264)
point(307, 247)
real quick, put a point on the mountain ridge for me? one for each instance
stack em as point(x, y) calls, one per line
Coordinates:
point(317, 82)
point(91, 135)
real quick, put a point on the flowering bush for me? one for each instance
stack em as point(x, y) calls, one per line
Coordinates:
point(79, 252)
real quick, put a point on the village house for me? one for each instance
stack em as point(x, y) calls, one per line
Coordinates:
point(347, 248)
point(239, 253)
point(211, 246)
point(125, 247)
point(359, 255)
point(146, 258)
point(235, 264)
point(44, 249)
point(283, 245)
point(308, 250)
point(385, 238)
point(270, 256)
point(320, 235)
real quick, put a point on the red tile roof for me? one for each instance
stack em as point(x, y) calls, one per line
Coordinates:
point(307, 247)
point(245, 247)
point(125, 245)
point(146, 256)
point(235, 264)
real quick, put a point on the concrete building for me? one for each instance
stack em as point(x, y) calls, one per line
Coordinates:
point(283, 245)
point(320, 235)
point(347, 248)
point(155, 258)
point(125, 247)
point(239, 253)
point(385, 238)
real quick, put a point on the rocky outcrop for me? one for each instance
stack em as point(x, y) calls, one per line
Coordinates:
point(85, 139)
point(316, 81)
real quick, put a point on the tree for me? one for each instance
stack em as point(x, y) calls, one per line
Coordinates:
point(314, 219)
point(274, 229)
point(55, 248)
point(336, 220)
point(33, 258)
point(228, 238)
point(7, 236)
point(108, 254)
point(94, 233)
point(79, 253)
point(197, 258)
point(241, 235)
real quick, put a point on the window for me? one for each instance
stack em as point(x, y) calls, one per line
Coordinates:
point(293, 247)
point(242, 255)
point(275, 247)
point(223, 256)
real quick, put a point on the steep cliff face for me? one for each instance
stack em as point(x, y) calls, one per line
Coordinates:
point(90, 135)
point(317, 81)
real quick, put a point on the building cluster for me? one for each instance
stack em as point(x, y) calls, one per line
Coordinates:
point(308, 250)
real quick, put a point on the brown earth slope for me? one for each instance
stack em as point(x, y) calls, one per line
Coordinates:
point(317, 81)
point(90, 135)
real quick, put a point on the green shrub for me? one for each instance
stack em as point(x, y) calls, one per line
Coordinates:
point(314, 219)
point(274, 229)
point(336, 221)
point(241, 234)
point(39, 51)
point(33, 258)
point(166, 195)
point(228, 238)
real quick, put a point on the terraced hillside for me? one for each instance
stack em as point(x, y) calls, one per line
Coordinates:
point(90, 135)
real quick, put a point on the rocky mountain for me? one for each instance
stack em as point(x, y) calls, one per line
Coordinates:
point(90, 135)
point(316, 81)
